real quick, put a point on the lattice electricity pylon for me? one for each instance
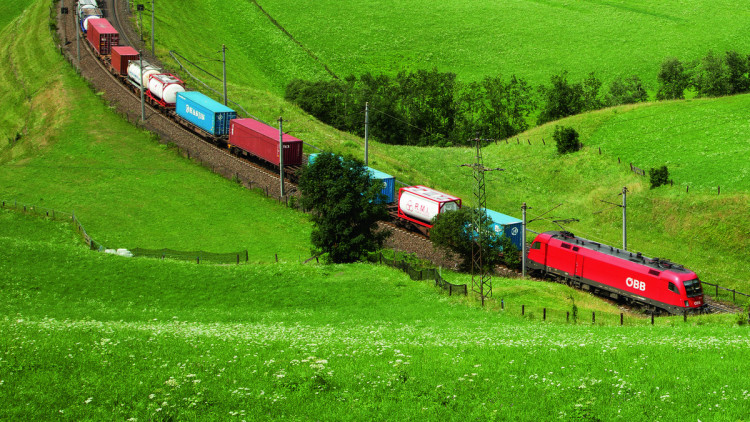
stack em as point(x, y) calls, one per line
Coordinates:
point(481, 280)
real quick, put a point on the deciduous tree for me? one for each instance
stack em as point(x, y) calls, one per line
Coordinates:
point(345, 204)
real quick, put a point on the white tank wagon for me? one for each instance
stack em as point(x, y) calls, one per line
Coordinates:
point(420, 204)
point(164, 88)
point(134, 72)
point(84, 15)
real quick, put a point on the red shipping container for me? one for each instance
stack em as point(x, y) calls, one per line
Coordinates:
point(102, 36)
point(121, 57)
point(262, 141)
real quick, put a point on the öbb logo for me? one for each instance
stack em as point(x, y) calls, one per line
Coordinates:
point(636, 284)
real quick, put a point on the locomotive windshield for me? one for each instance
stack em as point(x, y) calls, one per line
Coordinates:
point(693, 287)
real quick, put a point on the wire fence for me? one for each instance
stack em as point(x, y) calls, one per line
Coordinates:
point(633, 168)
point(416, 273)
point(577, 316)
point(197, 256)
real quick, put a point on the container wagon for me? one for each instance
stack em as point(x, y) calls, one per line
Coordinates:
point(261, 140)
point(121, 58)
point(420, 204)
point(102, 36)
point(204, 113)
point(505, 225)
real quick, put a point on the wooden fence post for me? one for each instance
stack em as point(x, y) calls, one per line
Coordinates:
point(277, 257)
point(593, 317)
point(621, 318)
point(197, 260)
point(567, 316)
point(684, 316)
point(544, 314)
point(502, 303)
point(523, 309)
point(652, 319)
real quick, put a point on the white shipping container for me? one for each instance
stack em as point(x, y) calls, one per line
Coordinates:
point(134, 72)
point(165, 87)
point(423, 203)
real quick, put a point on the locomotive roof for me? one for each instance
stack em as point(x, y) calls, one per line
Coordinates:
point(659, 264)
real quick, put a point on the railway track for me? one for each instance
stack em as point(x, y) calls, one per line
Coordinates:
point(110, 11)
point(720, 308)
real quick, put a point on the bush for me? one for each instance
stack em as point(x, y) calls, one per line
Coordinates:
point(658, 176)
point(511, 254)
point(566, 139)
point(626, 91)
point(673, 80)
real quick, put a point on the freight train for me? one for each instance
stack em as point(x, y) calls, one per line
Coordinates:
point(590, 265)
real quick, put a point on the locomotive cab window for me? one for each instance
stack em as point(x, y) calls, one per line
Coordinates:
point(693, 288)
point(536, 245)
point(673, 288)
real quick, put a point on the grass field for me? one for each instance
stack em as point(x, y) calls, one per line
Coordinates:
point(126, 338)
point(532, 39)
point(127, 189)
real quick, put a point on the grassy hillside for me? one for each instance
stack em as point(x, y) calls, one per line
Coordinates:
point(137, 338)
point(75, 154)
point(532, 39)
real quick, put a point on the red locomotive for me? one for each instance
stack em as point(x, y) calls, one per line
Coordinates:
point(616, 273)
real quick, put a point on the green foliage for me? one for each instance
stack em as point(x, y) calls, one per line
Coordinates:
point(673, 80)
point(346, 206)
point(626, 91)
point(658, 176)
point(711, 77)
point(452, 233)
point(494, 108)
point(738, 66)
point(566, 139)
point(562, 98)
point(511, 255)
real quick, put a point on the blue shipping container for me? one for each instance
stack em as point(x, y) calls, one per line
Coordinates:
point(388, 181)
point(389, 184)
point(506, 225)
point(202, 111)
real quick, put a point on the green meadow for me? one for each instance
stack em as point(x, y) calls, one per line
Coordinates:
point(95, 336)
point(532, 39)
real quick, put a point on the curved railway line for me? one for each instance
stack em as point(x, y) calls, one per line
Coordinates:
point(160, 122)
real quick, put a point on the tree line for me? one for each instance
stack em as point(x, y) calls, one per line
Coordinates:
point(428, 107)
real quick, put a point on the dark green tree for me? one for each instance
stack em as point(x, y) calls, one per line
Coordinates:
point(566, 139)
point(506, 107)
point(737, 73)
point(560, 99)
point(626, 91)
point(452, 232)
point(590, 93)
point(346, 205)
point(673, 80)
point(711, 78)
point(658, 176)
